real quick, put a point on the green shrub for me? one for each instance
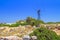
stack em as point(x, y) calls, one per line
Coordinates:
point(45, 34)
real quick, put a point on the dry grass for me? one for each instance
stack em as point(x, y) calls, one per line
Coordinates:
point(15, 31)
point(57, 31)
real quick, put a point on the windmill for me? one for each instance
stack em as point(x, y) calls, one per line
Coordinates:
point(38, 12)
point(38, 18)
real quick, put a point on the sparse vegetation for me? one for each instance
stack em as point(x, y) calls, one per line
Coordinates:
point(28, 21)
point(42, 33)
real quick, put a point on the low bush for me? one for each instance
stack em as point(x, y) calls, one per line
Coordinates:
point(45, 34)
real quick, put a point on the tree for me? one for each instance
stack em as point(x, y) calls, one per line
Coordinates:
point(28, 20)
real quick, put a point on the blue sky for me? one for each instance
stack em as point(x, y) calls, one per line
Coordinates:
point(13, 10)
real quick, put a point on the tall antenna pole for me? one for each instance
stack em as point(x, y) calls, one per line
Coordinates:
point(38, 12)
